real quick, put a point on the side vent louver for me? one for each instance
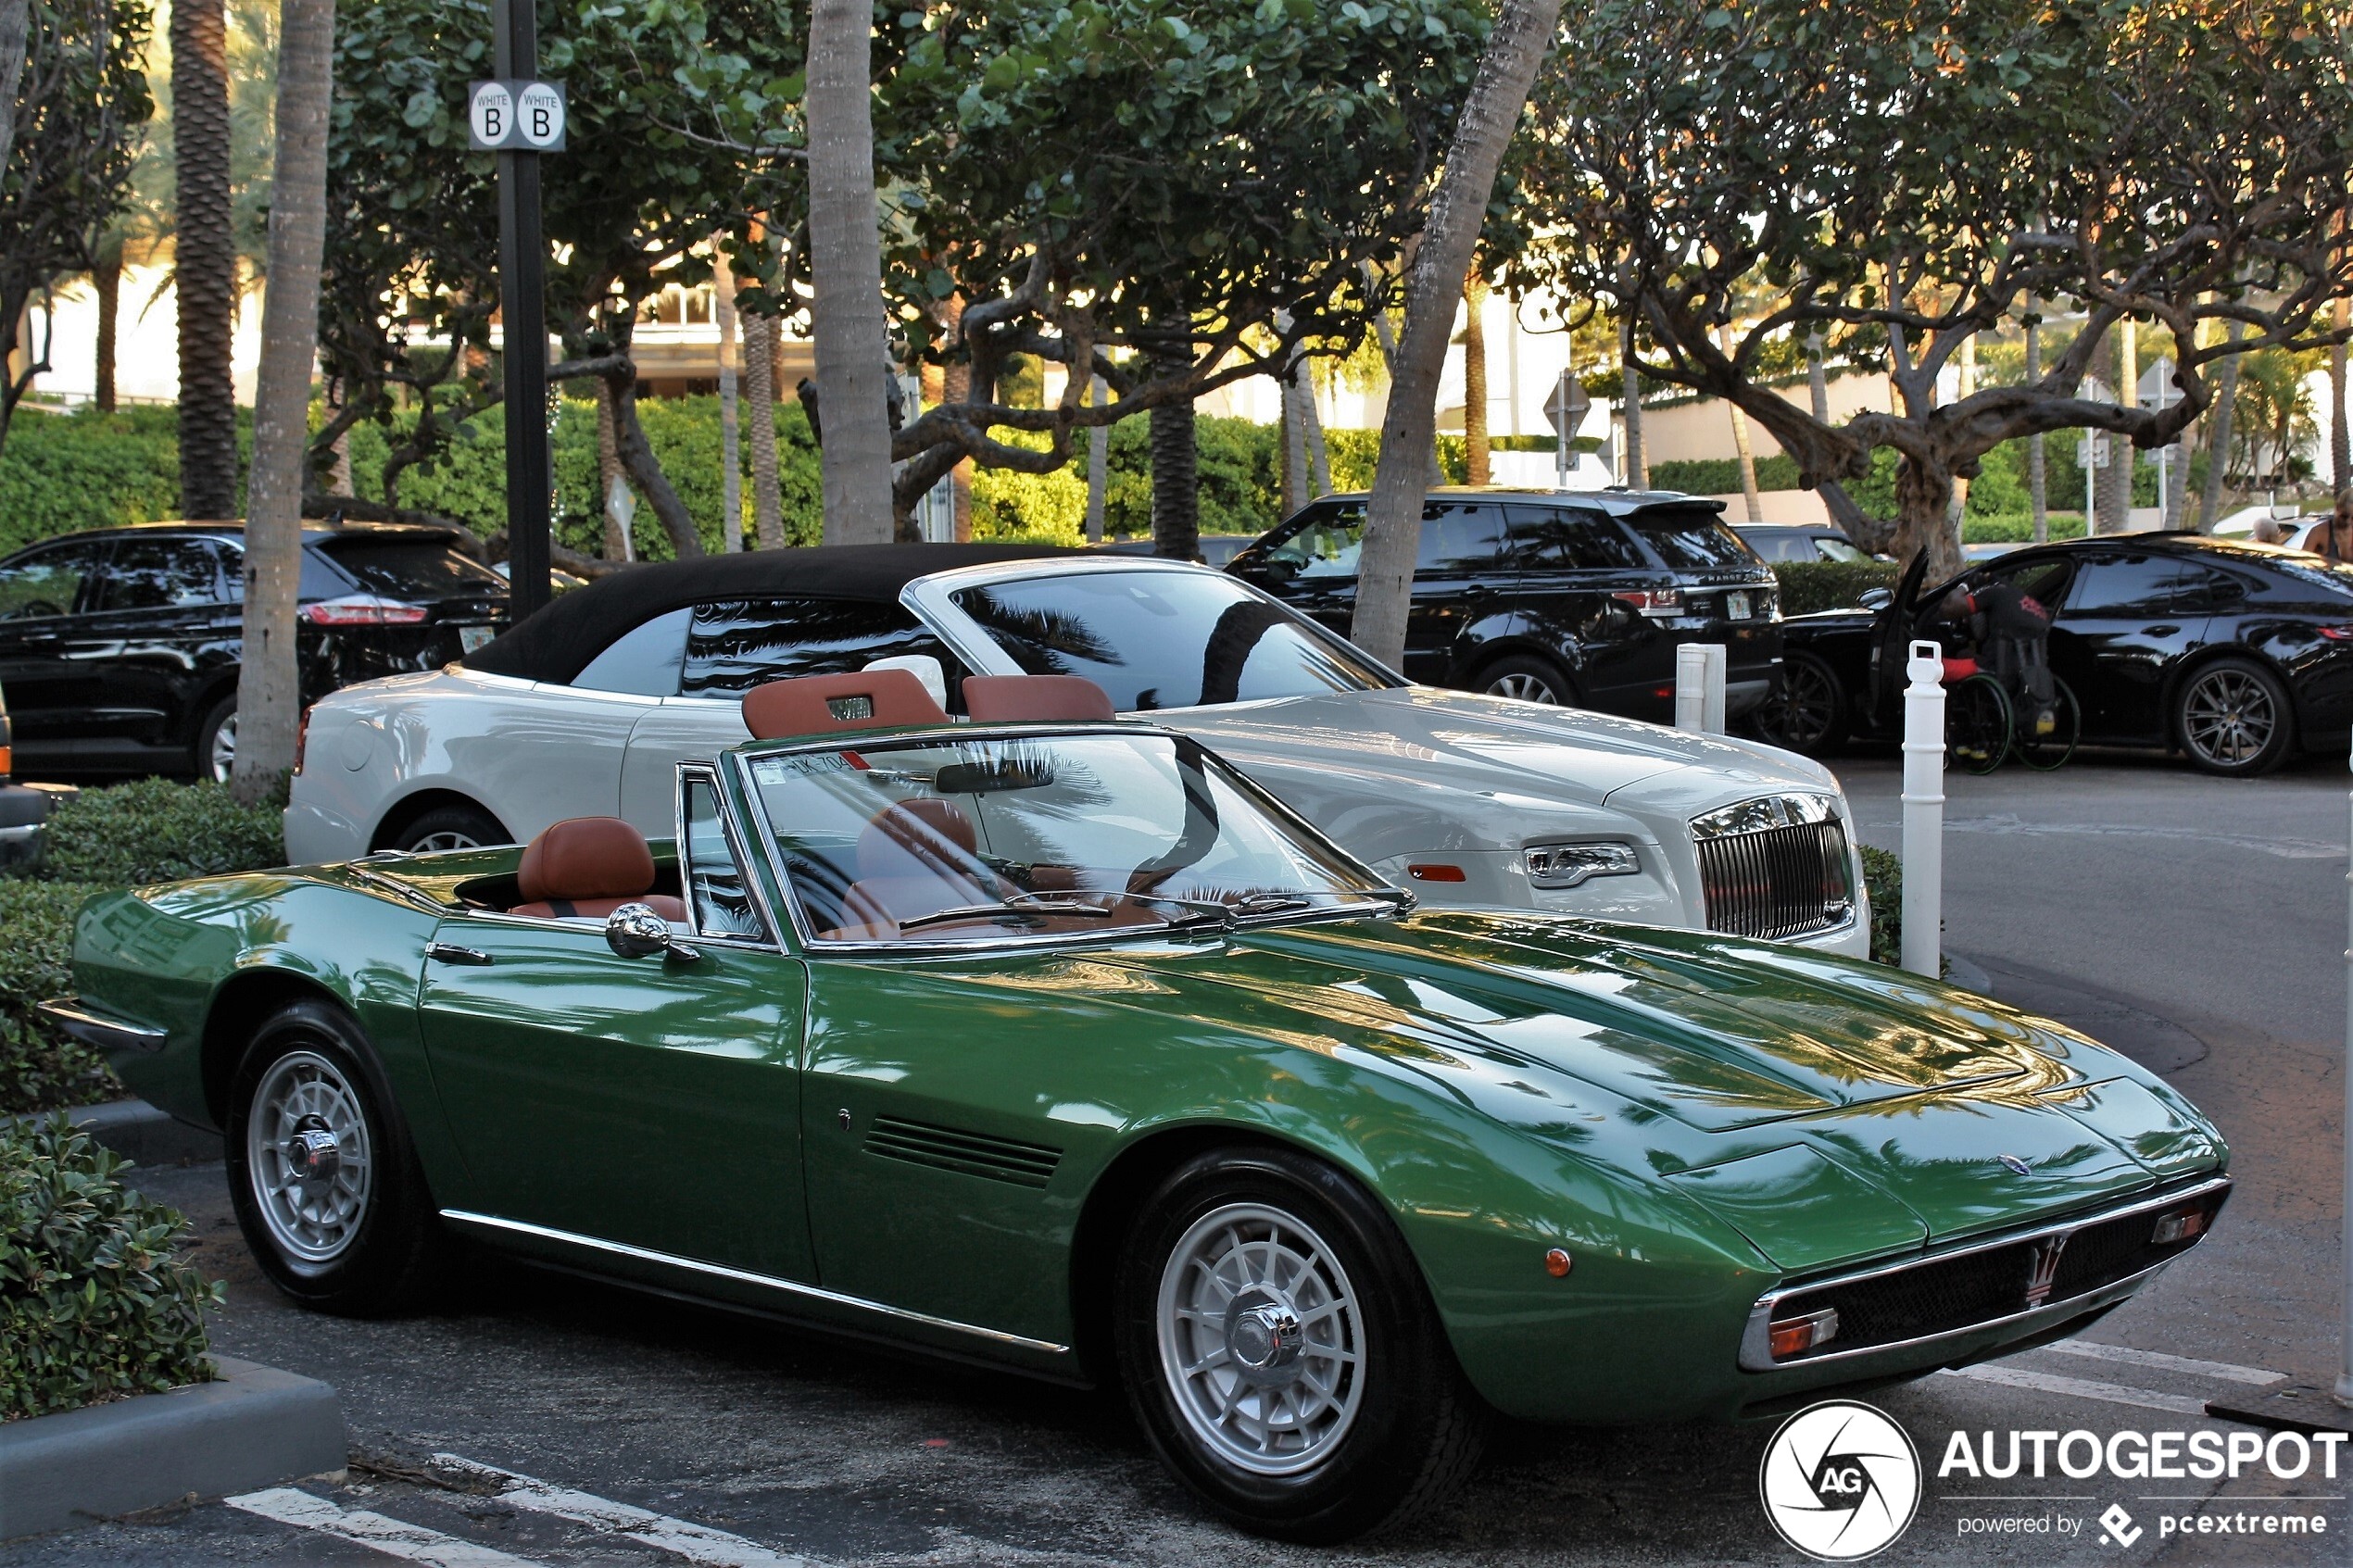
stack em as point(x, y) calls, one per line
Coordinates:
point(971, 1154)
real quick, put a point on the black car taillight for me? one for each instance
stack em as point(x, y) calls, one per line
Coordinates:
point(302, 738)
point(362, 609)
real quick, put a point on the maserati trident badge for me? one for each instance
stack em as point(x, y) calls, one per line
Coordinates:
point(2017, 1165)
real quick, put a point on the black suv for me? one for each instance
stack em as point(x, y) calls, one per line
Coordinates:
point(1577, 597)
point(119, 647)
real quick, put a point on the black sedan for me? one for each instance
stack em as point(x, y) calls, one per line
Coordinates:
point(2235, 655)
point(119, 647)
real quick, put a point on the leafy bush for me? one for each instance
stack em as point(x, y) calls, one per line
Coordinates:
point(41, 1068)
point(1041, 509)
point(159, 829)
point(1883, 881)
point(93, 1304)
point(65, 473)
point(2017, 528)
point(1809, 586)
point(1721, 476)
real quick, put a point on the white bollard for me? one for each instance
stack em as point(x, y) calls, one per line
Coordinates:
point(1924, 809)
point(2344, 1371)
point(1699, 688)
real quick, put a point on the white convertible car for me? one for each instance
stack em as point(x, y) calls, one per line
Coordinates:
point(584, 708)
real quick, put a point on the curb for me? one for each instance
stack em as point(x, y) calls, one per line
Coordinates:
point(139, 1132)
point(255, 1427)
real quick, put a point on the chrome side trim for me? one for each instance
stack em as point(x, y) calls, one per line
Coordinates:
point(102, 1030)
point(767, 1282)
point(706, 772)
point(1755, 1354)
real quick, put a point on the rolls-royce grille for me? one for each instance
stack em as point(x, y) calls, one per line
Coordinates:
point(1945, 1296)
point(1777, 881)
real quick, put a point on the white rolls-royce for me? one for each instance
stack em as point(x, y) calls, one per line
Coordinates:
point(584, 708)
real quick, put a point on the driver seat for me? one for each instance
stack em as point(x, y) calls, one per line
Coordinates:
point(585, 868)
point(918, 857)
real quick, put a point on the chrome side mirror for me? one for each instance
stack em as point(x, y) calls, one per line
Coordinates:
point(637, 931)
point(1875, 598)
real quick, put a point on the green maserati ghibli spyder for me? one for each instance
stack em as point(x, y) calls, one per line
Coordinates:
point(1050, 1041)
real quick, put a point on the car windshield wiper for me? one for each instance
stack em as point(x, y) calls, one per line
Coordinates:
point(966, 911)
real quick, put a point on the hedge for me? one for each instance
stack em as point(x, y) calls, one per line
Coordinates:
point(93, 1304)
point(1807, 586)
point(40, 1068)
point(1883, 881)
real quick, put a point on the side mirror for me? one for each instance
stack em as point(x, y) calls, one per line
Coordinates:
point(923, 668)
point(1875, 598)
point(637, 931)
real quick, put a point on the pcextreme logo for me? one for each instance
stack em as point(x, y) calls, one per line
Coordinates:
point(1839, 1480)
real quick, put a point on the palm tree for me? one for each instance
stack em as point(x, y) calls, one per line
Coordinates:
point(206, 263)
point(845, 255)
point(16, 27)
point(269, 694)
point(1475, 378)
point(731, 457)
point(1458, 208)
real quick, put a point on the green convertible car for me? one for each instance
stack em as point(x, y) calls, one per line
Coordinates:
point(1050, 1041)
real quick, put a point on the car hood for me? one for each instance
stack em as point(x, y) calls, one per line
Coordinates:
point(1827, 1107)
point(1473, 745)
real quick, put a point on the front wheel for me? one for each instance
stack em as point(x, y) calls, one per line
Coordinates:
point(449, 827)
point(1806, 713)
point(1527, 678)
point(216, 754)
point(321, 1175)
point(1282, 1352)
point(2233, 717)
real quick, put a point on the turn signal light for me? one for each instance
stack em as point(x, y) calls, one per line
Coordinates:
point(1436, 871)
point(2189, 1223)
point(1794, 1337)
point(7, 760)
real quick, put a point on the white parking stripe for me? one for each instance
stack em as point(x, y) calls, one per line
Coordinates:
point(695, 1543)
point(373, 1530)
point(2082, 1388)
point(2093, 1349)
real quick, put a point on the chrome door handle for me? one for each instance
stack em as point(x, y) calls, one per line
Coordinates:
point(450, 952)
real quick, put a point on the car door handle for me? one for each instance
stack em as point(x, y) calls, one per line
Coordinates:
point(450, 952)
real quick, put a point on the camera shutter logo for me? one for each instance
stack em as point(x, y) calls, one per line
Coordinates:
point(1839, 1480)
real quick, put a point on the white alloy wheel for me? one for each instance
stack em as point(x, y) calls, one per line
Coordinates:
point(309, 1159)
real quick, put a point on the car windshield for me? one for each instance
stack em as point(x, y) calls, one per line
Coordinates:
point(1159, 639)
point(1691, 538)
point(990, 840)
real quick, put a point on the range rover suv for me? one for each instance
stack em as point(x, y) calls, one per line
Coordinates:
point(1577, 597)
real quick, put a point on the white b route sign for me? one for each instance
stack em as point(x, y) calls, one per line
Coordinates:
point(515, 116)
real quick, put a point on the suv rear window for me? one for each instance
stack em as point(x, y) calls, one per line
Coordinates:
point(413, 568)
point(1691, 538)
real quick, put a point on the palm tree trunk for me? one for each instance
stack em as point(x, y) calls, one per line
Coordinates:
point(269, 688)
point(609, 471)
point(1475, 378)
point(2340, 427)
point(1294, 447)
point(1638, 468)
point(1097, 463)
point(107, 280)
point(955, 387)
point(1175, 466)
point(760, 387)
point(16, 27)
point(731, 446)
point(205, 270)
point(2218, 439)
point(1967, 385)
point(845, 253)
point(1507, 67)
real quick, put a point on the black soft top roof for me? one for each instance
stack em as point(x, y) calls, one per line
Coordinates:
point(556, 643)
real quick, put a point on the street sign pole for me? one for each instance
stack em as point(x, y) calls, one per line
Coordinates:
point(523, 308)
point(1566, 408)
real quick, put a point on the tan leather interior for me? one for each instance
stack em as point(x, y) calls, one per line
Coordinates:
point(587, 867)
point(817, 704)
point(1027, 699)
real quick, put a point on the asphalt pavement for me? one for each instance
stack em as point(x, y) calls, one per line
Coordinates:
point(2198, 924)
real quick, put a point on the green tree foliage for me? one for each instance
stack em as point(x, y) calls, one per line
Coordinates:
point(63, 473)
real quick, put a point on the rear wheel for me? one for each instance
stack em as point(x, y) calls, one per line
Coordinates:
point(1977, 725)
point(1282, 1352)
point(455, 826)
point(1806, 713)
point(1526, 677)
point(2233, 717)
point(215, 753)
point(2047, 751)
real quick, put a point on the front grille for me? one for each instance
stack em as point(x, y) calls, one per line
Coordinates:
point(1947, 1295)
point(1777, 881)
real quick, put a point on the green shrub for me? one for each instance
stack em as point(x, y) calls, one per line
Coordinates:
point(159, 830)
point(1721, 476)
point(65, 473)
point(2017, 528)
point(1883, 881)
point(41, 1068)
point(1039, 509)
point(93, 1304)
point(1809, 586)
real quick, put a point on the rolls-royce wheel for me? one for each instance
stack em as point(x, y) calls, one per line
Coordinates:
point(216, 742)
point(450, 827)
point(1283, 1354)
point(325, 1183)
point(1806, 713)
point(1529, 679)
point(2233, 717)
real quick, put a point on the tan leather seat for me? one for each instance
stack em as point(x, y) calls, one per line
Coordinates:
point(587, 867)
point(917, 858)
point(1032, 699)
point(817, 704)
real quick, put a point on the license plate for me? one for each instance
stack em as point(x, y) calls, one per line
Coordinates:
point(1736, 607)
point(472, 637)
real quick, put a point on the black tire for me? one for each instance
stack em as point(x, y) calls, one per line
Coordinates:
point(1978, 724)
point(2052, 750)
point(203, 761)
point(2232, 717)
point(1808, 712)
point(1529, 678)
point(1415, 1430)
point(454, 826)
point(380, 1253)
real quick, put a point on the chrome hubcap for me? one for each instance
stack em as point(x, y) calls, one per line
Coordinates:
point(306, 1156)
point(1525, 688)
point(434, 842)
point(1260, 1339)
point(223, 761)
point(2229, 718)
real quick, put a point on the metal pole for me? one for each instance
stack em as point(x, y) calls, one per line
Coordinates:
point(522, 310)
point(1924, 810)
point(2345, 1213)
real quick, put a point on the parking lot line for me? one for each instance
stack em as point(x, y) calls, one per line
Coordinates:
point(2080, 1387)
point(695, 1543)
point(374, 1531)
point(2191, 1365)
